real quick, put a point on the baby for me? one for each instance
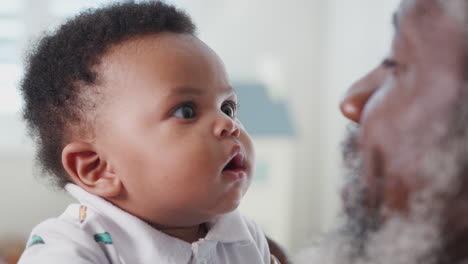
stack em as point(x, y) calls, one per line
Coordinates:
point(135, 117)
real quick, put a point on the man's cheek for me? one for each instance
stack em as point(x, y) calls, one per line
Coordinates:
point(396, 196)
point(376, 100)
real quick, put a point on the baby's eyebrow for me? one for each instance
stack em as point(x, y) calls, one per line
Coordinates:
point(187, 90)
point(229, 90)
point(183, 90)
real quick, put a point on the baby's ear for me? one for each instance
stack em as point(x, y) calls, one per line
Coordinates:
point(88, 170)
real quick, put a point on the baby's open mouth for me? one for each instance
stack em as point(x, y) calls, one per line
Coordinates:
point(236, 163)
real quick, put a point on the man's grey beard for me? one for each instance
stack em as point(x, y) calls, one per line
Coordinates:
point(363, 239)
point(417, 237)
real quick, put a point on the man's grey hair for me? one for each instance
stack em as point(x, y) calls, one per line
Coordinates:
point(458, 9)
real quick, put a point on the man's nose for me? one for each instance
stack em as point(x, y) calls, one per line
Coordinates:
point(359, 94)
point(225, 126)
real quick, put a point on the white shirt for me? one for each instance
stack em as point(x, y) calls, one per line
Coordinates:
point(95, 231)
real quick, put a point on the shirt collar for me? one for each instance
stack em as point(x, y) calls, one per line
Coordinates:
point(145, 243)
point(229, 228)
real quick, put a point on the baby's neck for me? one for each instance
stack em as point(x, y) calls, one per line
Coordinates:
point(188, 234)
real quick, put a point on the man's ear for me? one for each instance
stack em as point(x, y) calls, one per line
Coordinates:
point(88, 170)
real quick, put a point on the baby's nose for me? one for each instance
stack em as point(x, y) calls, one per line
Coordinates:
point(226, 126)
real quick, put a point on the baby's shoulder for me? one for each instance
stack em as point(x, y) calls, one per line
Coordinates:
point(77, 223)
point(72, 225)
point(72, 235)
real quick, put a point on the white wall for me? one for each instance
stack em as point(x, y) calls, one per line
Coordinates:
point(355, 36)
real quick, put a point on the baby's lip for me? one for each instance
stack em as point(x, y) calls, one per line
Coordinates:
point(236, 160)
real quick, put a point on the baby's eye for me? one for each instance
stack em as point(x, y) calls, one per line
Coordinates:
point(229, 108)
point(185, 111)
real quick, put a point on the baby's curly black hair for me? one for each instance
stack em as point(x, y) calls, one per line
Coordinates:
point(62, 68)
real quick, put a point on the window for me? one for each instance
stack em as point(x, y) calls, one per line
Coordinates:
point(20, 23)
point(11, 33)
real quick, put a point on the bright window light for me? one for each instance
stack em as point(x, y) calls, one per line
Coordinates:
point(10, 7)
point(10, 100)
point(10, 28)
point(62, 8)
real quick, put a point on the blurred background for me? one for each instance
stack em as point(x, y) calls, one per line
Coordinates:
point(291, 62)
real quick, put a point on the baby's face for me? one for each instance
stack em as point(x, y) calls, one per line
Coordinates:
point(169, 131)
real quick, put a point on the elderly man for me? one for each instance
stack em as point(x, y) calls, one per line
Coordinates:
point(406, 196)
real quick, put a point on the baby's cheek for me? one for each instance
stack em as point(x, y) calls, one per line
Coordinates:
point(250, 152)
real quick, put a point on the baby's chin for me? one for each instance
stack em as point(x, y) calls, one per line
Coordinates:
point(234, 193)
point(230, 205)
